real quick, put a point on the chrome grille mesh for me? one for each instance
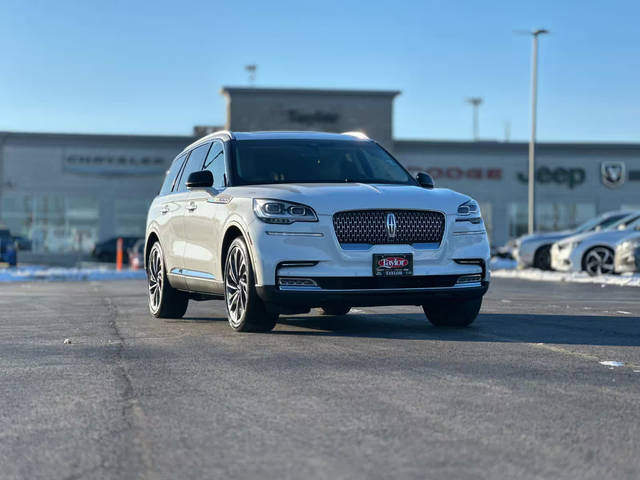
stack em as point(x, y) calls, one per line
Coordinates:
point(370, 226)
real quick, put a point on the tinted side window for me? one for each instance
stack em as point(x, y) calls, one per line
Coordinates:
point(194, 164)
point(170, 178)
point(215, 164)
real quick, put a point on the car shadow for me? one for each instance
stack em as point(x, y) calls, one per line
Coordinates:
point(488, 327)
point(193, 319)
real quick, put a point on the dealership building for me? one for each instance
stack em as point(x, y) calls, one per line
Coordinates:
point(65, 192)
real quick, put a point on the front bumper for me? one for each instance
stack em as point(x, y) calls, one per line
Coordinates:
point(301, 300)
point(566, 259)
point(627, 260)
point(343, 275)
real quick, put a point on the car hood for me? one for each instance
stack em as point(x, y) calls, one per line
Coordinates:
point(607, 237)
point(327, 198)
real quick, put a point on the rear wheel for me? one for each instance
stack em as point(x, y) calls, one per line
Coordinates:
point(164, 300)
point(245, 311)
point(335, 310)
point(542, 258)
point(455, 313)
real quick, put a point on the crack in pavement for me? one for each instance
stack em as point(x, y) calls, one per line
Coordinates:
point(132, 413)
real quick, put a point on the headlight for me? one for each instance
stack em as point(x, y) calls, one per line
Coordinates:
point(573, 245)
point(469, 207)
point(278, 211)
point(630, 245)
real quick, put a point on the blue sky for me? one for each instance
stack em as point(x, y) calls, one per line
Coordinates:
point(157, 67)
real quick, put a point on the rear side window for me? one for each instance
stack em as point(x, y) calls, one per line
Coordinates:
point(172, 173)
point(215, 164)
point(194, 164)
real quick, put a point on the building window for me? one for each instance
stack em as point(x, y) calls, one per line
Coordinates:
point(53, 223)
point(131, 217)
point(549, 216)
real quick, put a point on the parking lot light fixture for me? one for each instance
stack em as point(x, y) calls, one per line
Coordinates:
point(532, 141)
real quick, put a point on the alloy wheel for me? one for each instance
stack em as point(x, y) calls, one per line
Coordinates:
point(598, 261)
point(236, 285)
point(155, 278)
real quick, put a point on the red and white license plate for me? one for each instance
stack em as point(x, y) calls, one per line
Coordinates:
point(387, 265)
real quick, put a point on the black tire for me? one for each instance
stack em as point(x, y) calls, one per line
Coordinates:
point(164, 300)
point(245, 310)
point(599, 261)
point(542, 258)
point(335, 310)
point(456, 313)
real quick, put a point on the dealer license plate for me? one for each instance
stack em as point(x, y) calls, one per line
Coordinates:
point(387, 265)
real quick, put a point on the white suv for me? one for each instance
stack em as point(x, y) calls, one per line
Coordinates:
point(281, 222)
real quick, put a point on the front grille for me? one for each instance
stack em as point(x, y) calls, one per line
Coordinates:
point(370, 227)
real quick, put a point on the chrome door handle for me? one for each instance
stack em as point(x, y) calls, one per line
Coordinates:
point(191, 207)
point(164, 210)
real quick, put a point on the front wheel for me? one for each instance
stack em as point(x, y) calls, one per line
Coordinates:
point(455, 313)
point(245, 311)
point(598, 261)
point(542, 258)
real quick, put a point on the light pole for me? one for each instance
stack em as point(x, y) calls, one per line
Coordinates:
point(532, 141)
point(475, 103)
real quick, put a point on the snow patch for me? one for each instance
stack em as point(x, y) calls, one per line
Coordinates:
point(624, 280)
point(49, 274)
point(611, 363)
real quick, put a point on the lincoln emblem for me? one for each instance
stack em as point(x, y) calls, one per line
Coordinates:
point(391, 225)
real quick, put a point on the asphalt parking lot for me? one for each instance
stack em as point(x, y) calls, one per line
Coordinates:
point(377, 394)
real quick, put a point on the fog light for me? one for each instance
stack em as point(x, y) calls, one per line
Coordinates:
point(296, 282)
point(475, 278)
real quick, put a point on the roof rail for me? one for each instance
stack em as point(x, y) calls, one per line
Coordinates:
point(360, 135)
point(204, 139)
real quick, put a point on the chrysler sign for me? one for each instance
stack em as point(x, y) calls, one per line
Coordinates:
point(113, 165)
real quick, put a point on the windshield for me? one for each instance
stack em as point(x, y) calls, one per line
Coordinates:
point(603, 221)
point(626, 222)
point(315, 161)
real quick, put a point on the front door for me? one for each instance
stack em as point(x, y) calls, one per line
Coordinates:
point(203, 223)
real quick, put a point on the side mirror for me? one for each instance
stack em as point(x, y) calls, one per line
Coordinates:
point(425, 180)
point(201, 179)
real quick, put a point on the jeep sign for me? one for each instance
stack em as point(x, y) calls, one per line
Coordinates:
point(572, 177)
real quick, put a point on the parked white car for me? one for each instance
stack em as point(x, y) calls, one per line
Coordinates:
point(628, 254)
point(593, 252)
point(535, 250)
point(278, 222)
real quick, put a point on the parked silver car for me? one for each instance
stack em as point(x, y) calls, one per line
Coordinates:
point(535, 250)
point(593, 252)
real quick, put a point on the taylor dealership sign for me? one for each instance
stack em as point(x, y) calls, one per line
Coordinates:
point(113, 165)
point(310, 118)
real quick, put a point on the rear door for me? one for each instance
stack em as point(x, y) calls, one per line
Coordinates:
point(169, 213)
point(203, 223)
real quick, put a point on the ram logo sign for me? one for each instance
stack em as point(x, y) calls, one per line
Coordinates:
point(613, 173)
